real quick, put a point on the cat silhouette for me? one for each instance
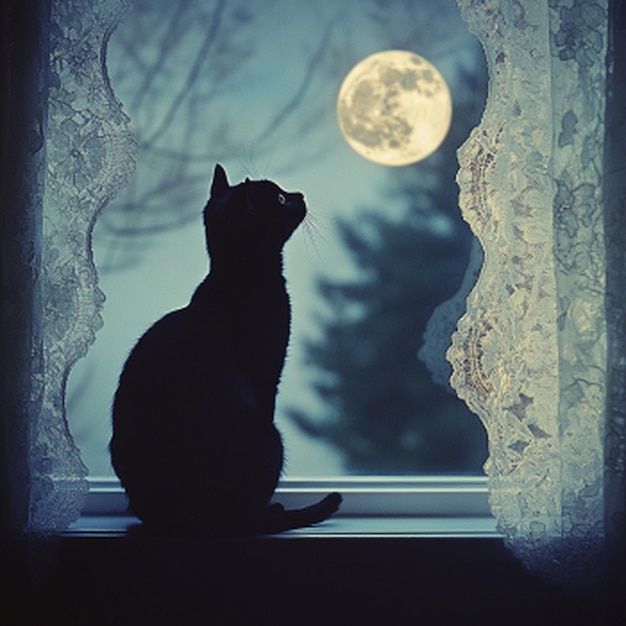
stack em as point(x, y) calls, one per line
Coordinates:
point(194, 442)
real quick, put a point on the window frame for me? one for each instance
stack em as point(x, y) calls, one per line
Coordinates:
point(458, 496)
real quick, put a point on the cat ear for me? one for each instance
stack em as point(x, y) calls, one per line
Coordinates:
point(220, 182)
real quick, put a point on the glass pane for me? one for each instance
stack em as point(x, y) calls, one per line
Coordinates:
point(254, 87)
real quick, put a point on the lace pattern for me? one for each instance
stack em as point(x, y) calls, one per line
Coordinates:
point(90, 155)
point(529, 355)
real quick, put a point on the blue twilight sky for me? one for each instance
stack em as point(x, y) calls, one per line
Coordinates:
point(257, 65)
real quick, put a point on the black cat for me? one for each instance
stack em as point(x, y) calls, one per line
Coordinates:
point(194, 442)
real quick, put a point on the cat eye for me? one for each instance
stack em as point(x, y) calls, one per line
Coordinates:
point(281, 198)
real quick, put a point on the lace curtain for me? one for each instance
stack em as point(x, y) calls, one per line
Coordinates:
point(539, 352)
point(90, 156)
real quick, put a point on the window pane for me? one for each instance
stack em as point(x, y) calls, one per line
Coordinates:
point(255, 88)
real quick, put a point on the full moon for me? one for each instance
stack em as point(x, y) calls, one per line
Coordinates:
point(394, 108)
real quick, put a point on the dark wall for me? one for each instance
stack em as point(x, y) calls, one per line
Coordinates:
point(23, 104)
point(300, 581)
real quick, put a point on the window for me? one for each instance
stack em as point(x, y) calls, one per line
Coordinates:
point(188, 91)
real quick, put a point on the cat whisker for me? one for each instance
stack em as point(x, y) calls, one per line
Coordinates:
point(246, 162)
point(255, 160)
point(315, 223)
point(311, 228)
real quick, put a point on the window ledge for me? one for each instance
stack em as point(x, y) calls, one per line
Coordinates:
point(373, 507)
point(370, 527)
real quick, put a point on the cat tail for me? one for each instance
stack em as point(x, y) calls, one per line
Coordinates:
point(274, 519)
point(278, 519)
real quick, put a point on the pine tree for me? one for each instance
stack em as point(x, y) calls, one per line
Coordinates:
point(381, 407)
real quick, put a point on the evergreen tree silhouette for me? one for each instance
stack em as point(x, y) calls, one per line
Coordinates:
point(381, 407)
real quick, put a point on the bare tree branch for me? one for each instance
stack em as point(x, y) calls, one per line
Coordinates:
point(281, 117)
point(200, 59)
point(172, 35)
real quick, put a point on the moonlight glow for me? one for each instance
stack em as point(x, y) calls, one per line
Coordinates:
point(394, 108)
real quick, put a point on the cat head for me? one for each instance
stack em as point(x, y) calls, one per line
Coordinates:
point(255, 216)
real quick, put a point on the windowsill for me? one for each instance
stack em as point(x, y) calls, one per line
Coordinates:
point(373, 507)
point(342, 541)
point(352, 527)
